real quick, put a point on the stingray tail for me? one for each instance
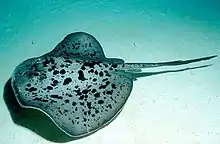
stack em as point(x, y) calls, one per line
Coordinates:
point(145, 74)
point(138, 66)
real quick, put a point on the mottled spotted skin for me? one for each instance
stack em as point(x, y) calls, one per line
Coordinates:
point(79, 95)
point(81, 45)
point(77, 86)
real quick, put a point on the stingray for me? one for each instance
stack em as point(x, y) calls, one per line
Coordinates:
point(78, 87)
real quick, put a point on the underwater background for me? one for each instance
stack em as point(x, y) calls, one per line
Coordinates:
point(172, 108)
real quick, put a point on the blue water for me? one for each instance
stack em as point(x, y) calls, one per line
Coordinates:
point(175, 108)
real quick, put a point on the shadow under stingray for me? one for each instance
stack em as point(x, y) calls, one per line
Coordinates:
point(37, 121)
point(33, 119)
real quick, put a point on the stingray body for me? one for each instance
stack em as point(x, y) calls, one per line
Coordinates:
point(77, 86)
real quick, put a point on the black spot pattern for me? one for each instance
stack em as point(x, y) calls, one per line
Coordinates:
point(32, 89)
point(75, 84)
point(67, 81)
point(81, 75)
point(62, 71)
point(100, 102)
point(56, 96)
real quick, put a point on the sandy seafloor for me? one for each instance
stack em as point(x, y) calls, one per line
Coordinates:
point(173, 108)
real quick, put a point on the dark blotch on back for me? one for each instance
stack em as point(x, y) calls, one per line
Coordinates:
point(67, 81)
point(83, 68)
point(89, 105)
point(74, 103)
point(56, 96)
point(96, 72)
point(91, 64)
point(55, 82)
point(62, 71)
point(109, 92)
point(67, 101)
point(104, 86)
point(68, 61)
point(32, 89)
point(81, 75)
point(55, 72)
point(97, 94)
point(94, 80)
point(28, 85)
point(100, 101)
point(69, 95)
point(40, 99)
point(114, 65)
point(49, 87)
point(113, 86)
point(93, 90)
point(91, 71)
point(101, 74)
point(85, 91)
